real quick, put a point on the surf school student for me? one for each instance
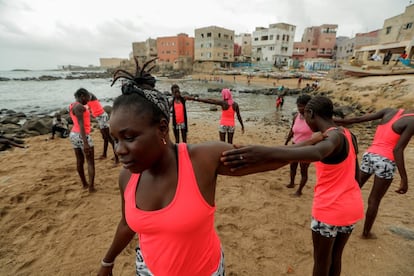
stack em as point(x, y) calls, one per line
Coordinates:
point(337, 202)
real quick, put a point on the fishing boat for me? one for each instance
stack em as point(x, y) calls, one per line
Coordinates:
point(365, 71)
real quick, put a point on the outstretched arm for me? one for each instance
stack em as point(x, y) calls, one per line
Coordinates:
point(365, 118)
point(258, 158)
point(209, 101)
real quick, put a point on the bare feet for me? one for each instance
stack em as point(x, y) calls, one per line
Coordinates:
point(92, 189)
point(102, 157)
point(290, 185)
point(369, 236)
point(298, 193)
point(85, 186)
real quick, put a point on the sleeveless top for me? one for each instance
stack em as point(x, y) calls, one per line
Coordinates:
point(180, 239)
point(86, 119)
point(337, 196)
point(227, 117)
point(179, 112)
point(385, 138)
point(301, 130)
point(96, 108)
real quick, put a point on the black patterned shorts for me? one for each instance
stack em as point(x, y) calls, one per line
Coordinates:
point(330, 231)
point(77, 142)
point(381, 166)
point(142, 269)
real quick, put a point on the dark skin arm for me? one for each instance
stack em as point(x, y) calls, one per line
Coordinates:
point(123, 234)
point(237, 110)
point(78, 111)
point(258, 156)
point(209, 101)
point(290, 134)
point(365, 118)
point(406, 134)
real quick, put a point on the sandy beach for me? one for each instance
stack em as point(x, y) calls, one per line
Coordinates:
point(51, 226)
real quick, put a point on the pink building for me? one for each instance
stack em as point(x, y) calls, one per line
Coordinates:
point(317, 42)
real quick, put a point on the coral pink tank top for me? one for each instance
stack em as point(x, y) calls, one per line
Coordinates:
point(86, 119)
point(337, 196)
point(385, 138)
point(227, 117)
point(180, 239)
point(301, 130)
point(96, 108)
point(179, 112)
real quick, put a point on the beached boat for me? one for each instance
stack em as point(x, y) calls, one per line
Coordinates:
point(364, 71)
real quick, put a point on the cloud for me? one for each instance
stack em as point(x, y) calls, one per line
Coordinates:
point(39, 34)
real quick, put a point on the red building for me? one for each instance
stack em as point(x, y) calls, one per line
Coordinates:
point(175, 51)
point(317, 42)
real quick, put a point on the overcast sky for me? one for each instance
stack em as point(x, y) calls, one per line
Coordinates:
point(43, 34)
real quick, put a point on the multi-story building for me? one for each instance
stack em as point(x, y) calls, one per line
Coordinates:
point(317, 42)
point(396, 35)
point(273, 45)
point(243, 47)
point(345, 46)
point(144, 50)
point(110, 63)
point(213, 48)
point(175, 52)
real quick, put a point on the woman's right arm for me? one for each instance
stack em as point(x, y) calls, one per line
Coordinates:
point(123, 234)
point(209, 101)
point(365, 118)
point(290, 134)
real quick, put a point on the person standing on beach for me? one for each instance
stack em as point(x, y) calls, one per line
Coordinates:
point(383, 156)
point(299, 131)
point(229, 109)
point(102, 117)
point(179, 114)
point(80, 137)
point(337, 203)
point(167, 190)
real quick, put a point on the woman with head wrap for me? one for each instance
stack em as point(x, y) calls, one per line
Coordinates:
point(229, 109)
point(167, 190)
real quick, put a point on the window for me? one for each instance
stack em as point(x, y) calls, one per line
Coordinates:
point(219, 35)
point(287, 37)
point(226, 36)
point(283, 38)
point(256, 39)
point(387, 30)
point(271, 37)
point(277, 37)
point(208, 34)
point(202, 35)
point(408, 26)
point(265, 37)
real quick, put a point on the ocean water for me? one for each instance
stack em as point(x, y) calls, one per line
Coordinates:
point(45, 97)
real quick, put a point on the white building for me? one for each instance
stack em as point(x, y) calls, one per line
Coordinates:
point(273, 45)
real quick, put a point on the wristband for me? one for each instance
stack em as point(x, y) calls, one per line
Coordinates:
point(105, 264)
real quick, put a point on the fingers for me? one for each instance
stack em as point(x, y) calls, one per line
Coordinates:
point(401, 191)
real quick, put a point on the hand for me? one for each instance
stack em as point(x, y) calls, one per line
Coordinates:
point(403, 187)
point(105, 271)
point(243, 156)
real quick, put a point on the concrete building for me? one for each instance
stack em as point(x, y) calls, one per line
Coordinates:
point(396, 35)
point(144, 50)
point(213, 48)
point(175, 52)
point(317, 42)
point(273, 45)
point(110, 63)
point(345, 46)
point(243, 44)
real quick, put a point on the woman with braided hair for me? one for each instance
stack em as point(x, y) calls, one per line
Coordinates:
point(337, 203)
point(167, 190)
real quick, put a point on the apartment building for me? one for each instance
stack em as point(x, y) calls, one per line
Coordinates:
point(144, 50)
point(213, 48)
point(110, 63)
point(346, 47)
point(273, 45)
point(243, 47)
point(396, 35)
point(175, 52)
point(317, 42)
